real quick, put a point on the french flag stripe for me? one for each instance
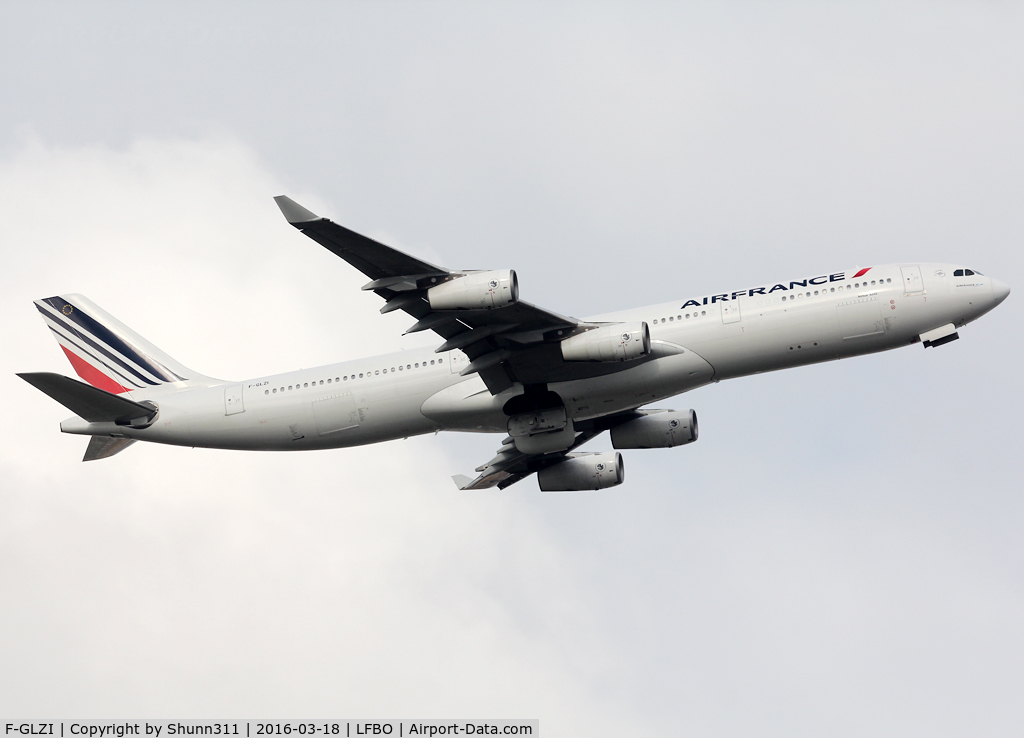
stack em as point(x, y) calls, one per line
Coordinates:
point(92, 375)
point(101, 333)
point(68, 344)
point(96, 347)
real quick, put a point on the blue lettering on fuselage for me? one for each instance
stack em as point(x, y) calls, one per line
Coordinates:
point(823, 279)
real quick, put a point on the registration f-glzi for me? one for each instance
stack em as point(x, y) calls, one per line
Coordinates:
point(29, 728)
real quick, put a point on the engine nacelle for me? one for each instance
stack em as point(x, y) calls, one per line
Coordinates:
point(656, 429)
point(583, 471)
point(476, 291)
point(617, 342)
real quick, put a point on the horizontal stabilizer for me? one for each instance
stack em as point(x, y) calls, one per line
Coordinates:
point(86, 401)
point(102, 447)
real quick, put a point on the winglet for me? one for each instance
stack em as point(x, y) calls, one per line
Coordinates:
point(461, 481)
point(293, 212)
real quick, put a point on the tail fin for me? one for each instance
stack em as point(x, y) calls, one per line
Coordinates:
point(106, 353)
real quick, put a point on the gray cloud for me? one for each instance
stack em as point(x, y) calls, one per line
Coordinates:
point(840, 551)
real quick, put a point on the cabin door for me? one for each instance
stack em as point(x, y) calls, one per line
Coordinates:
point(912, 279)
point(731, 311)
point(233, 400)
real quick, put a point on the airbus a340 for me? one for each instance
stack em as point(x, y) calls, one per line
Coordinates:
point(549, 382)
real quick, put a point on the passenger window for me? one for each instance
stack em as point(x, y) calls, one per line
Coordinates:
point(408, 366)
point(703, 312)
point(266, 392)
point(306, 384)
point(670, 319)
point(377, 372)
point(275, 390)
point(360, 375)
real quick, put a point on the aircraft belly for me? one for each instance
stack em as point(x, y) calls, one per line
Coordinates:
point(771, 339)
point(468, 406)
point(630, 388)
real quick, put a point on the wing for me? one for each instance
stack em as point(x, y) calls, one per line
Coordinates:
point(511, 465)
point(505, 345)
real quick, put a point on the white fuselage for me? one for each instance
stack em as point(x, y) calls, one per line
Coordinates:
point(707, 339)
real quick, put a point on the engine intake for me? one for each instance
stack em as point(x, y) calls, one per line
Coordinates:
point(583, 471)
point(476, 291)
point(656, 429)
point(616, 342)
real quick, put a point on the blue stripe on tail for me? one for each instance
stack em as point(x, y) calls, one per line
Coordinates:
point(102, 333)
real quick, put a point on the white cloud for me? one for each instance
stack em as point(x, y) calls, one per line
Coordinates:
point(192, 582)
point(838, 554)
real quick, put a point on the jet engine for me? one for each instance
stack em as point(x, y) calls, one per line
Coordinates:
point(656, 429)
point(616, 342)
point(583, 471)
point(476, 291)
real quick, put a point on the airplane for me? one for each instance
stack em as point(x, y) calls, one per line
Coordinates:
point(549, 382)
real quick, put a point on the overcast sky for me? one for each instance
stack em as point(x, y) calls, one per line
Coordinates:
point(840, 554)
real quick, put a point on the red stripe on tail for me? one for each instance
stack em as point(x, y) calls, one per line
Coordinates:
point(92, 375)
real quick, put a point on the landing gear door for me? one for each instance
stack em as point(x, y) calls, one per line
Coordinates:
point(731, 311)
point(912, 283)
point(233, 400)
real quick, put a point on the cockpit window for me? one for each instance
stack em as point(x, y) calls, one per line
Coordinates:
point(958, 273)
point(977, 272)
point(968, 273)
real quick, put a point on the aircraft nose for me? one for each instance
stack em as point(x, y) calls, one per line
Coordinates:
point(999, 291)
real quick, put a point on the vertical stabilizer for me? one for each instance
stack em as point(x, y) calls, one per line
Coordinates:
point(108, 354)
